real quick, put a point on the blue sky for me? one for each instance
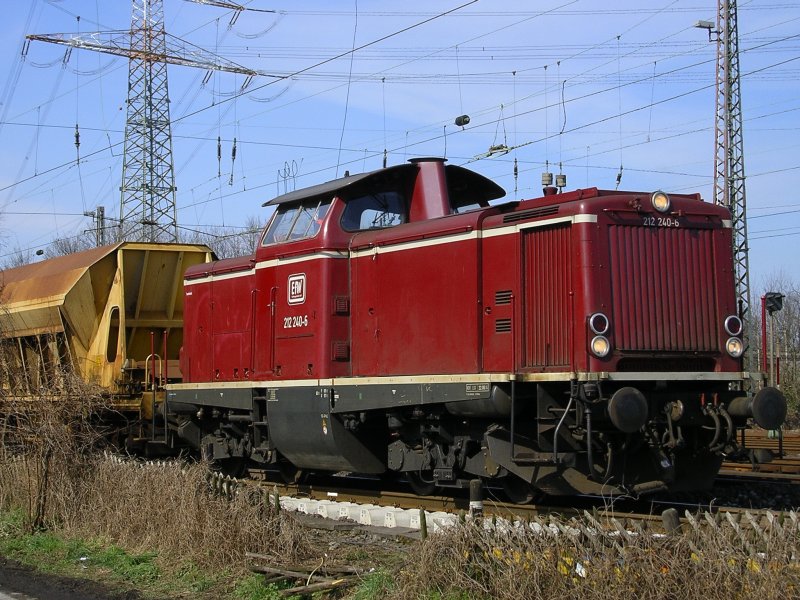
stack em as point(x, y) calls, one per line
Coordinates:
point(559, 81)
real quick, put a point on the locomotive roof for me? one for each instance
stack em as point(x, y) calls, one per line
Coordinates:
point(479, 185)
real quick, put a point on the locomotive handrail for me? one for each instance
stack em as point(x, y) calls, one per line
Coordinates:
point(558, 427)
point(248, 266)
point(414, 237)
point(306, 251)
point(147, 366)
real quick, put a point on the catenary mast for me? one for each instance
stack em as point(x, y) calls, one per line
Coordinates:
point(729, 176)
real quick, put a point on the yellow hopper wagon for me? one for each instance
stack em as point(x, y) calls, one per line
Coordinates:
point(112, 317)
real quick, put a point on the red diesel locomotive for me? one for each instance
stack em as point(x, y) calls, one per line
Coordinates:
point(395, 321)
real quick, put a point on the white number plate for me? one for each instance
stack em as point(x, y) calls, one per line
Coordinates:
point(298, 321)
point(661, 222)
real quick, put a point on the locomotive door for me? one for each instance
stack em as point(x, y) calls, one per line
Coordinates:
point(264, 326)
point(500, 301)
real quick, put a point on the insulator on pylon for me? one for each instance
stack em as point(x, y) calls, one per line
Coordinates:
point(233, 161)
point(219, 156)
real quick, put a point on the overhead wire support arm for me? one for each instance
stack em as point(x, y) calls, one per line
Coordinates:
point(233, 6)
point(220, 4)
point(176, 51)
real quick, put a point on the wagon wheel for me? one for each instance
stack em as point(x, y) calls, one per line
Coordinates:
point(519, 491)
point(290, 474)
point(234, 466)
point(421, 485)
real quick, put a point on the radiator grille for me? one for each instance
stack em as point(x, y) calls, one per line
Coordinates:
point(662, 281)
point(548, 284)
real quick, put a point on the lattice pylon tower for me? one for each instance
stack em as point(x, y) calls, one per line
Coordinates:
point(729, 175)
point(147, 208)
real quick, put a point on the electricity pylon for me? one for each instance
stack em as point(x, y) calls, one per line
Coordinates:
point(729, 177)
point(147, 207)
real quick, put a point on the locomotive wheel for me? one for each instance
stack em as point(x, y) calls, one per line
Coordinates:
point(519, 491)
point(419, 485)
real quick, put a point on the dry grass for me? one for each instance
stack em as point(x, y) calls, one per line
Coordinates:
point(730, 561)
point(172, 512)
point(50, 469)
point(166, 508)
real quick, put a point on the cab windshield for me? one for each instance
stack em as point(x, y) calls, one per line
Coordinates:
point(377, 210)
point(296, 221)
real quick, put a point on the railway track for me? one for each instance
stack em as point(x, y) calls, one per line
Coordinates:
point(319, 499)
point(788, 443)
point(783, 454)
point(789, 468)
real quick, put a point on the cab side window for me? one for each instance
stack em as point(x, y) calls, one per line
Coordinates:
point(375, 211)
point(296, 221)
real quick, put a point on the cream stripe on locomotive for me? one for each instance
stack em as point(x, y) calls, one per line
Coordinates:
point(223, 277)
point(298, 259)
point(575, 220)
point(465, 378)
point(266, 265)
point(399, 246)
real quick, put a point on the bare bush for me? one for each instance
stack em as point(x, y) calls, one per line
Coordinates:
point(50, 468)
point(168, 508)
point(48, 436)
point(224, 243)
point(546, 561)
point(783, 336)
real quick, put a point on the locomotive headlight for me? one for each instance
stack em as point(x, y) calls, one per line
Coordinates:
point(660, 201)
point(733, 325)
point(598, 323)
point(735, 347)
point(600, 346)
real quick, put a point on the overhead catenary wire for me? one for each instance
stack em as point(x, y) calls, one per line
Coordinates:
point(405, 145)
point(573, 99)
point(440, 132)
point(349, 82)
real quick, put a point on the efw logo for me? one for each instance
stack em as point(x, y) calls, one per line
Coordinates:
point(297, 288)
